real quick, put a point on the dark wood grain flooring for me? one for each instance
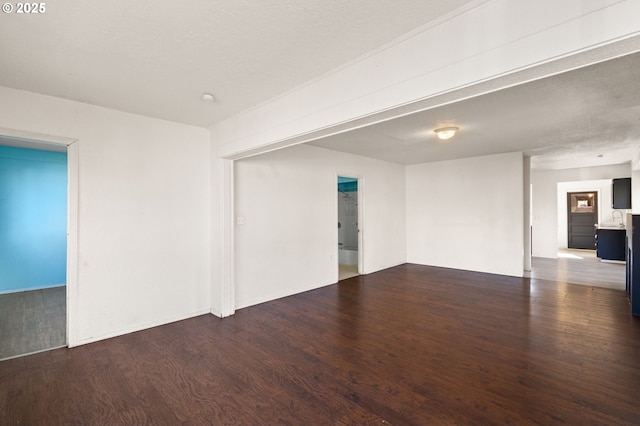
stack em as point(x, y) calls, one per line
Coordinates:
point(32, 321)
point(411, 345)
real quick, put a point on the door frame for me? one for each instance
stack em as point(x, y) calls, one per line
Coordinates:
point(36, 140)
point(361, 224)
point(596, 213)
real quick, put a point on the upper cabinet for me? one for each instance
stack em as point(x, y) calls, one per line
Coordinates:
point(622, 193)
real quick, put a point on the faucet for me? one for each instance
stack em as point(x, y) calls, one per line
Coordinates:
point(613, 216)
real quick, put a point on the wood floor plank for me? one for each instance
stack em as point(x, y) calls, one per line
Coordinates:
point(408, 345)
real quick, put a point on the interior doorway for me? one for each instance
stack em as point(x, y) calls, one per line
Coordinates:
point(582, 218)
point(348, 228)
point(34, 183)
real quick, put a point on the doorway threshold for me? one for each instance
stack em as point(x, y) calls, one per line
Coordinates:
point(347, 271)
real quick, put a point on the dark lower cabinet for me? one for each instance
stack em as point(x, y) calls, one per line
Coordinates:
point(633, 262)
point(611, 244)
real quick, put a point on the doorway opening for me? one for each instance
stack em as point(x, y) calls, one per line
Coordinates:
point(348, 228)
point(554, 259)
point(34, 182)
point(582, 219)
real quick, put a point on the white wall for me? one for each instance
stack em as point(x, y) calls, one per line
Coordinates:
point(490, 41)
point(545, 223)
point(144, 247)
point(635, 191)
point(288, 201)
point(467, 214)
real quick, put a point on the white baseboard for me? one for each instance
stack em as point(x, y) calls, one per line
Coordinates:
point(21, 290)
point(139, 328)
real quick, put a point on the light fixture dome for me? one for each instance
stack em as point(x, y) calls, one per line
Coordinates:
point(446, 133)
point(207, 98)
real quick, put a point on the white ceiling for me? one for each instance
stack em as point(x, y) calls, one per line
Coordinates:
point(564, 121)
point(157, 58)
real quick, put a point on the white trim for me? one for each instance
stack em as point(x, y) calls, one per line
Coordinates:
point(361, 225)
point(526, 189)
point(32, 353)
point(145, 326)
point(336, 206)
point(619, 262)
point(73, 175)
point(22, 290)
point(38, 139)
point(227, 291)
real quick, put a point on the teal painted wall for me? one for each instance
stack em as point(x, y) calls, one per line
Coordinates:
point(33, 219)
point(347, 184)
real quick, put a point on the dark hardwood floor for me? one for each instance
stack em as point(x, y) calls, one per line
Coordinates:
point(411, 345)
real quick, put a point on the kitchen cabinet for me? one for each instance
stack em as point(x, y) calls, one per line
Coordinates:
point(622, 193)
point(633, 262)
point(611, 243)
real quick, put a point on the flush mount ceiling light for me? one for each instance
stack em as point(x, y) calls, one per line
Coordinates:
point(446, 133)
point(207, 98)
